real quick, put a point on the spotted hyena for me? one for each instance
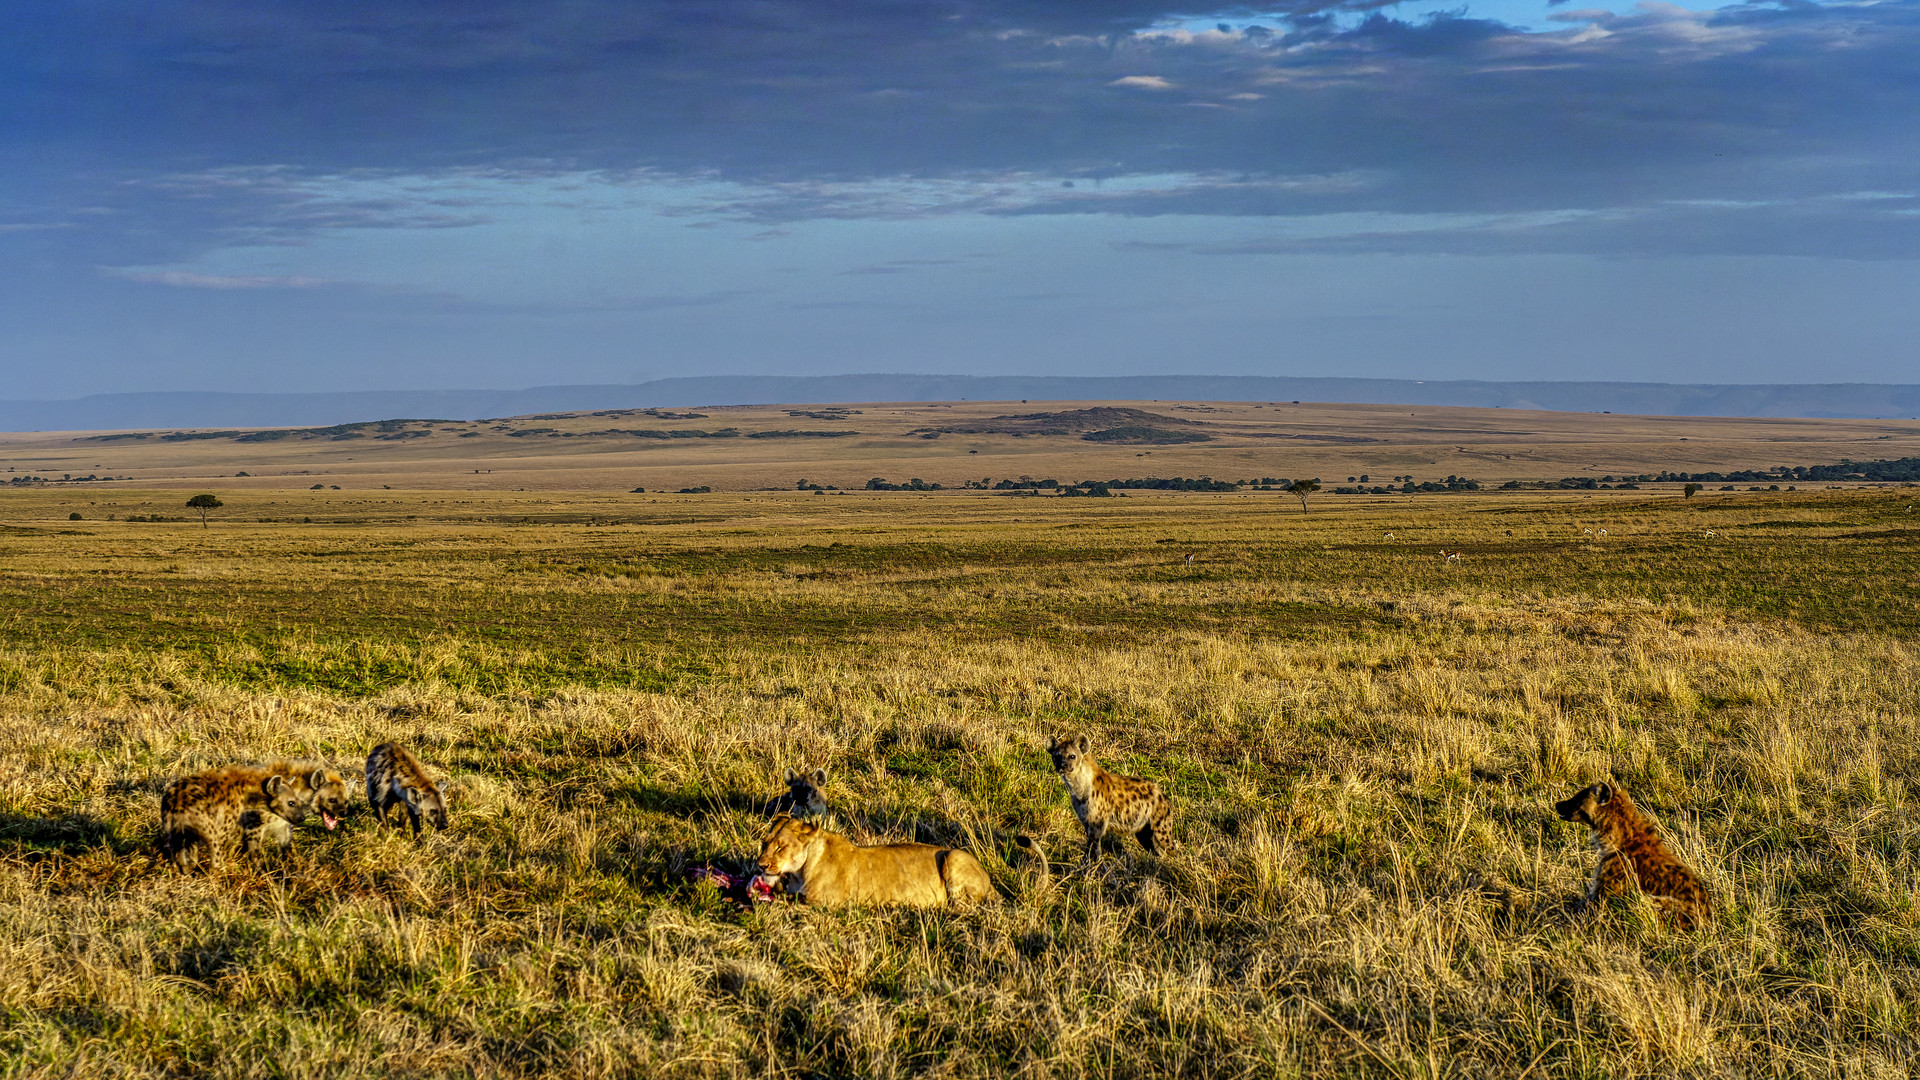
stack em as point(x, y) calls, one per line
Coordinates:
point(394, 778)
point(252, 805)
point(1105, 801)
point(805, 795)
point(1632, 855)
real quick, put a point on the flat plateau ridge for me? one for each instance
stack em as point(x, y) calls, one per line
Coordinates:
point(759, 447)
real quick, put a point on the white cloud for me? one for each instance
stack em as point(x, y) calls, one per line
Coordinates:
point(1143, 82)
point(186, 279)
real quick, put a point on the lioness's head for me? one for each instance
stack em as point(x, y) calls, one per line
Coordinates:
point(1068, 752)
point(805, 790)
point(785, 849)
point(1586, 806)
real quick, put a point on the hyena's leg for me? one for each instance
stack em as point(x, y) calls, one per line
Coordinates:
point(1145, 836)
point(1613, 876)
point(413, 816)
point(178, 846)
point(200, 843)
point(258, 830)
point(1095, 833)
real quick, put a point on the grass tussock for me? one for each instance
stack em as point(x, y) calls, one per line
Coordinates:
point(1364, 875)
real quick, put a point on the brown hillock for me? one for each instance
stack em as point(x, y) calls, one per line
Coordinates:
point(1068, 422)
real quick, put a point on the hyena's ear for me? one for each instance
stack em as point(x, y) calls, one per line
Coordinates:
point(1082, 744)
point(1605, 794)
point(819, 777)
point(792, 776)
point(318, 780)
point(272, 784)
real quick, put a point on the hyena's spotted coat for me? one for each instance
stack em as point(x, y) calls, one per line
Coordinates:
point(394, 778)
point(1632, 855)
point(252, 805)
point(1105, 801)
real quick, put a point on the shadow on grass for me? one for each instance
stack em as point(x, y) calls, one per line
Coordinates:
point(69, 833)
point(704, 805)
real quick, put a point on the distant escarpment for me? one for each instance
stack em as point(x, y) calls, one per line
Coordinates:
point(1107, 424)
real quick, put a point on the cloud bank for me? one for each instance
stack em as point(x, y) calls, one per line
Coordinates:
point(326, 194)
point(1661, 115)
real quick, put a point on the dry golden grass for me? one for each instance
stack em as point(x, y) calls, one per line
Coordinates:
point(1364, 876)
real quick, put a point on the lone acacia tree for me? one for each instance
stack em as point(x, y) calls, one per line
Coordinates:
point(1690, 491)
point(1301, 489)
point(203, 503)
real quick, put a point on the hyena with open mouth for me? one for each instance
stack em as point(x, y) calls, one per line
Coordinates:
point(253, 805)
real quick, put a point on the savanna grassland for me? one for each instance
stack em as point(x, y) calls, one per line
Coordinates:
point(771, 447)
point(1364, 875)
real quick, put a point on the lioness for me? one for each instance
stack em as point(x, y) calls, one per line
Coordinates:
point(826, 868)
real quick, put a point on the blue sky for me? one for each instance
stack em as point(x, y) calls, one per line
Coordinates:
point(333, 195)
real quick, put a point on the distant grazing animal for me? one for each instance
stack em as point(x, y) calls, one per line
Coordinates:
point(1189, 560)
point(1449, 556)
point(1710, 534)
point(1389, 536)
point(394, 778)
point(805, 796)
point(1632, 855)
point(827, 868)
point(1104, 801)
point(252, 805)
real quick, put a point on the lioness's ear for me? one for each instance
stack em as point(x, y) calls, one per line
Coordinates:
point(819, 777)
point(792, 776)
point(780, 820)
point(273, 784)
point(1605, 794)
point(1082, 744)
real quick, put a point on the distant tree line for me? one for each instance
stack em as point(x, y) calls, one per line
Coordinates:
point(24, 480)
point(1407, 485)
point(1574, 483)
point(1895, 470)
point(1096, 488)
